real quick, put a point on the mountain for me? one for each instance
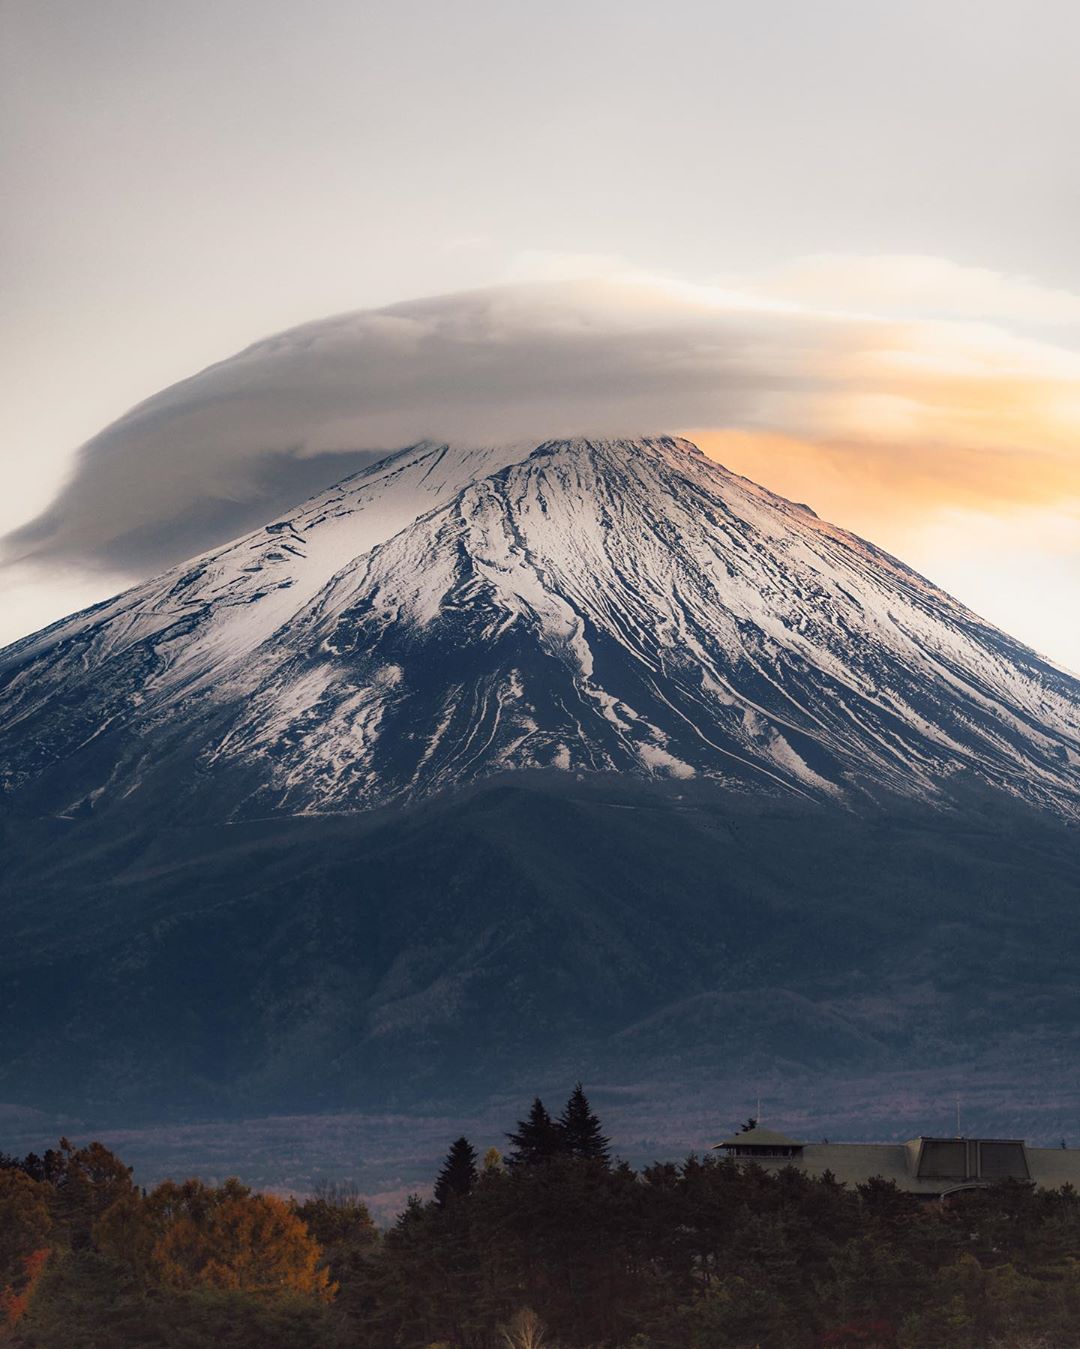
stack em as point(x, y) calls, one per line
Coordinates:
point(674, 942)
point(493, 768)
point(587, 606)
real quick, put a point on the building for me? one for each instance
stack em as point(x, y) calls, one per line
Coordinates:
point(927, 1166)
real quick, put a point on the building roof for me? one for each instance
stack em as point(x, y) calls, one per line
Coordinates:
point(855, 1163)
point(759, 1138)
point(1054, 1167)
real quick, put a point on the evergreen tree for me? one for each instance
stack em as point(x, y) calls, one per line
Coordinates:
point(537, 1140)
point(580, 1129)
point(458, 1175)
point(703, 1253)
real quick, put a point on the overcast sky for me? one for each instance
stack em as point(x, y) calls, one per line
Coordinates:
point(183, 178)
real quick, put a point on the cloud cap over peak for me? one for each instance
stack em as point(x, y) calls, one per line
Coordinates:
point(957, 410)
point(248, 436)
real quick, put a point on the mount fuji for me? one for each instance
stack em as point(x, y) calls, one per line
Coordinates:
point(591, 606)
point(494, 767)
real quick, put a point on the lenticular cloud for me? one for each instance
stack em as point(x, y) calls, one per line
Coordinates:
point(226, 449)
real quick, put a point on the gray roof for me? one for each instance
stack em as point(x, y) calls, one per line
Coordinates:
point(856, 1163)
point(759, 1138)
point(1054, 1167)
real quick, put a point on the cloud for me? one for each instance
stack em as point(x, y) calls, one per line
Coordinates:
point(218, 451)
point(911, 382)
point(919, 284)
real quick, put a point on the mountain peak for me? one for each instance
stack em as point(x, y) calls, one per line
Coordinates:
point(588, 605)
point(617, 445)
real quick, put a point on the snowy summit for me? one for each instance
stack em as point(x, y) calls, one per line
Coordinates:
point(621, 606)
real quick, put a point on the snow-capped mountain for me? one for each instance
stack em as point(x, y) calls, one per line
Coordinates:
point(583, 605)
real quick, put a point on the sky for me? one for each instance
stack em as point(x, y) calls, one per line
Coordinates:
point(833, 242)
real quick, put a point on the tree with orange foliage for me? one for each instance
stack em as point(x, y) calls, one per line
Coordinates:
point(193, 1236)
point(15, 1296)
point(24, 1220)
point(24, 1228)
point(84, 1183)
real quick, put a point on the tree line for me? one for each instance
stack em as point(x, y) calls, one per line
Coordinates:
point(554, 1245)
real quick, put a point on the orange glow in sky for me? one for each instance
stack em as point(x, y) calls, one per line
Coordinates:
point(1001, 531)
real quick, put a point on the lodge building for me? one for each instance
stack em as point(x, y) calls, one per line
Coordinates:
point(929, 1166)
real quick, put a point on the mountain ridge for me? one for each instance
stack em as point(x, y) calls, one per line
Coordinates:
point(584, 604)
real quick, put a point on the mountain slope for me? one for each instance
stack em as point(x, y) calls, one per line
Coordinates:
point(657, 936)
point(583, 605)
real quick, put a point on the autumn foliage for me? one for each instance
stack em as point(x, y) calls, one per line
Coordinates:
point(560, 1246)
point(25, 1224)
point(15, 1296)
point(229, 1238)
point(248, 1260)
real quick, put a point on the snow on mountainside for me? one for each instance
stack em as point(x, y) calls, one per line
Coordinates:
point(623, 606)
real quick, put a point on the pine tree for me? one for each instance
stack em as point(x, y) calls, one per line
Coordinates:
point(537, 1140)
point(580, 1129)
point(458, 1175)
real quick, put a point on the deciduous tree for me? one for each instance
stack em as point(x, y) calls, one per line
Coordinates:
point(193, 1236)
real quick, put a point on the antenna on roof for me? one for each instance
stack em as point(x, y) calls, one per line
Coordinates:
point(958, 1133)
